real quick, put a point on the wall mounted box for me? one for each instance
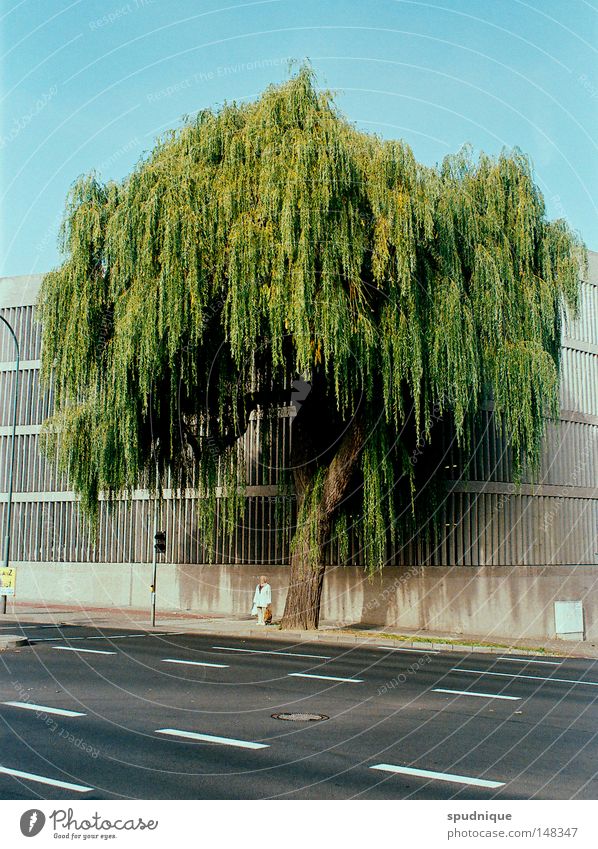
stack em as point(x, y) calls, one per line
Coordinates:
point(568, 620)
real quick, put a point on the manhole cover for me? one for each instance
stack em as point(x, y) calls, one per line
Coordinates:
point(300, 717)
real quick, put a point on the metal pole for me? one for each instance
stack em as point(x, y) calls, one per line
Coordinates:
point(154, 562)
point(15, 405)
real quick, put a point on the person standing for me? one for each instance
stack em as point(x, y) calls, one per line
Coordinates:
point(262, 598)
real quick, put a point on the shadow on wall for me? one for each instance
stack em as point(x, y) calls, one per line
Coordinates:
point(488, 601)
point(513, 602)
point(227, 590)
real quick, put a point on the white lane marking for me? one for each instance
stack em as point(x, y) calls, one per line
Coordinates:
point(81, 651)
point(471, 693)
point(209, 738)
point(527, 660)
point(168, 633)
point(325, 677)
point(282, 653)
point(441, 776)
point(44, 709)
point(42, 779)
point(53, 639)
point(412, 651)
point(28, 627)
point(530, 677)
point(114, 637)
point(194, 662)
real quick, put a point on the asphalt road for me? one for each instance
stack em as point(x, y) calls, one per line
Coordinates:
point(128, 704)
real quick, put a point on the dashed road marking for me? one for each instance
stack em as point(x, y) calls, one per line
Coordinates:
point(42, 779)
point(44, 709)
point(439, 776)
point(170, 634)
point(54, 638)
point(411, 651)
point(103, 637)
point(471, 693)
point(528, 677)
point(194, 663)
point(210, 738)
point(114, 637)
point(325, 677)
point(82, 651)
point(527, 660)
point(281, 653)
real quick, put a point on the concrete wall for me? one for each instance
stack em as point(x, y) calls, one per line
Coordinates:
point(496, 602)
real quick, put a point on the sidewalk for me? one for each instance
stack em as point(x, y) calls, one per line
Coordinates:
point(246, 627)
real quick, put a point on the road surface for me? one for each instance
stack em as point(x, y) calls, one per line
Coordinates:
point(129, 715)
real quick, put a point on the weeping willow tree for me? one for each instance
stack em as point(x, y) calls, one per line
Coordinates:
point(271, 241)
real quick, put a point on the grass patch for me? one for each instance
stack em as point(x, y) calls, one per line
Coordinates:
point(430, 640)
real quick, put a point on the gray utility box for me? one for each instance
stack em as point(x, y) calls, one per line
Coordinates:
point(568, 620)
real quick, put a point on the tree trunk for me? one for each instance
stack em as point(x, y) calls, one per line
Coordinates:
point(307, 567)
point(302, 608)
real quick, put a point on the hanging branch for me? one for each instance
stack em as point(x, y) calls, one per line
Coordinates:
point(407, 289)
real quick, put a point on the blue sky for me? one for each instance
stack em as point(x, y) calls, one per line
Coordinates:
point(89, 84)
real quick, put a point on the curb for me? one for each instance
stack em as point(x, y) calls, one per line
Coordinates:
point(329, 635)
point(371, 641)
point(11, 641)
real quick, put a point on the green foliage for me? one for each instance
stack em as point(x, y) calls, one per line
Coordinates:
point(267, 240)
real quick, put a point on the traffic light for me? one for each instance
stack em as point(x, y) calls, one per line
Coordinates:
point(160, 542)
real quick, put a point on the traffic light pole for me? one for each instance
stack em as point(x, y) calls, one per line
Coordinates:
point(15, 405)
point(154, 561)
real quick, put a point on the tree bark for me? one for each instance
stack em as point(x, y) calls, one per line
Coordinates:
point(307, 567)
point(306, 579)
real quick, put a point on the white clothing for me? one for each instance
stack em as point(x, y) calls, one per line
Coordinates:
point(262, 596)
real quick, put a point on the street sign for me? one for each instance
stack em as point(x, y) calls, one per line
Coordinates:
point(8, 580)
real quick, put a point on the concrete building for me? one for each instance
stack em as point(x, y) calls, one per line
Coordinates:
point(501, 559)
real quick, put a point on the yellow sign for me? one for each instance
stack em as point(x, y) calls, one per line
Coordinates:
point(8, 580)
